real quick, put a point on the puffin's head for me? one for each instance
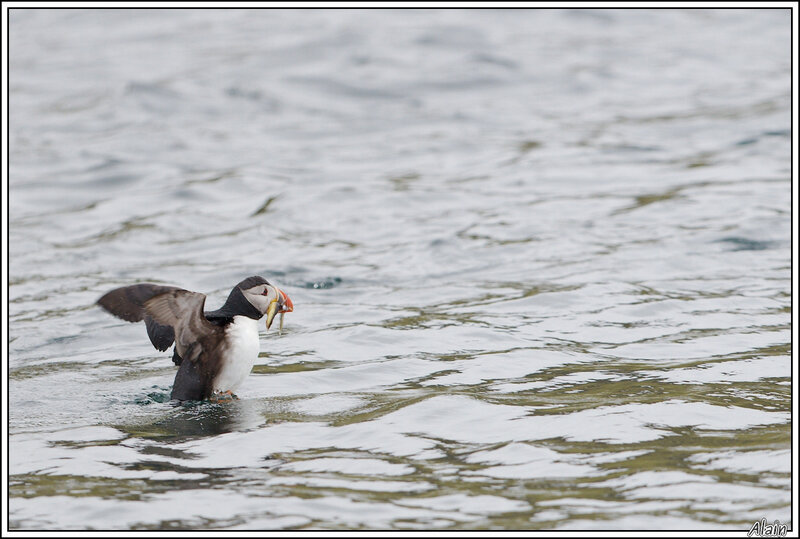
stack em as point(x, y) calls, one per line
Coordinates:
point(268, 299)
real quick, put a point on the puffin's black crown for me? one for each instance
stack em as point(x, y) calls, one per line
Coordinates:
point(250, 282)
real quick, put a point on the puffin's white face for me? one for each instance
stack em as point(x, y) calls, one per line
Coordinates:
point(260, 296)
point(269, 300)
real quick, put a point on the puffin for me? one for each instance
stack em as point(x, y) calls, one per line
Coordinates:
point(214, 350)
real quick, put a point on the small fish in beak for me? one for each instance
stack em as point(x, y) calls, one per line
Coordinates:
point(280, 305)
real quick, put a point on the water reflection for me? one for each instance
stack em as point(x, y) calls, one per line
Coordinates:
point(196, 419)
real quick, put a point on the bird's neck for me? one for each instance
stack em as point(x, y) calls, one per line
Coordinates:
point(237, 304)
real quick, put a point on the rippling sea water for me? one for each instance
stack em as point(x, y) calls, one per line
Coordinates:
point(540, 262)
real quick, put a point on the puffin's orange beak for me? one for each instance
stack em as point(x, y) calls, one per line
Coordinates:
point(287, 305)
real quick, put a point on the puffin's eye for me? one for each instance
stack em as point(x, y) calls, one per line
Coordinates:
point(265, 292)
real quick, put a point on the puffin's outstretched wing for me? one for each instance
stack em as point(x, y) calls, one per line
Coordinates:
point(128, 303)
point(171, 314)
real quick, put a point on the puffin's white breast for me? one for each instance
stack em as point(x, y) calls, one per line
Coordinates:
point(242, 338)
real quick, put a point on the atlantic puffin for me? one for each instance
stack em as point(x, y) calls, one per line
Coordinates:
point(215, 350)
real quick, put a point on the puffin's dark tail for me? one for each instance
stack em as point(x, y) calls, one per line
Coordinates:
point(128, 303)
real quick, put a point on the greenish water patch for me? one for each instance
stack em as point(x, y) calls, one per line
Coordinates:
point(404, 181)
point(264, 208)
point(160, 396)
point(36, 485)
point(298, 366)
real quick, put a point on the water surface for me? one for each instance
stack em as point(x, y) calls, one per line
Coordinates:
point(540, 263)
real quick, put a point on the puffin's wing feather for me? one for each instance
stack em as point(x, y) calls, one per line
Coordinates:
point(175, 307)
point(183, 311)
point(128, 302)
point(162, 337)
